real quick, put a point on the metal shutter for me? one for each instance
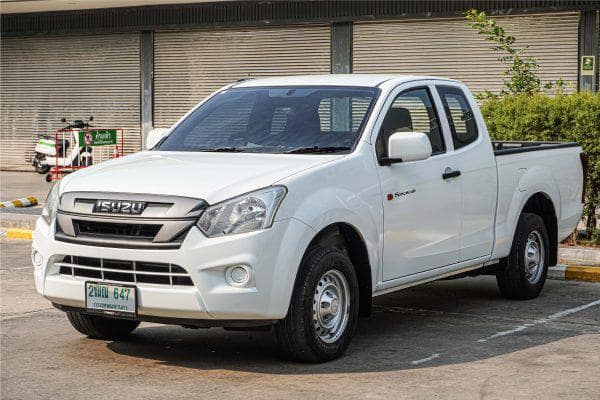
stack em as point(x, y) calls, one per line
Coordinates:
point(47, 77)
point(450, 48)
point(189, 65)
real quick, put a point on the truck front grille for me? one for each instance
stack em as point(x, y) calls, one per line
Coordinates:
point(122, 230)
point(124, 271)
point(163, 222)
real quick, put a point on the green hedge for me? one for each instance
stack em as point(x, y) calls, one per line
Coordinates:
point(574, 117)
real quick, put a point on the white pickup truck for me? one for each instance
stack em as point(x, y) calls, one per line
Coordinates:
point(289, 203)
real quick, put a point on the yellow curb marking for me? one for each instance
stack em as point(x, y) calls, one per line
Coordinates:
point(14, 233)
point(581, 273)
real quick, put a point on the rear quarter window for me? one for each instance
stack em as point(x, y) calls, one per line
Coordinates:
point(461, 119)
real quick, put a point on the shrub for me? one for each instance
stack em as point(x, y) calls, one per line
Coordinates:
point(574, 118)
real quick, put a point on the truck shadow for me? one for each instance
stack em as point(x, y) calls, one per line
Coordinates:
point(442, 323)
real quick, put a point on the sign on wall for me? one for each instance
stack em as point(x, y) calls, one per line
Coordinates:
point(588, 65)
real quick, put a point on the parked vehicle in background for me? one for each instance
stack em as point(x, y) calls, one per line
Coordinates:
point(66, 151)
point(292, 202)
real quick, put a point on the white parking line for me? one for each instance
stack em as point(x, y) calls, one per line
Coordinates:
point(549, 318)
point(424, 360)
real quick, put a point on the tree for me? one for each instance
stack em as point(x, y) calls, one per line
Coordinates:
point(521, 72)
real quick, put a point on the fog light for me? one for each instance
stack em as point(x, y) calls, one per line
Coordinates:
point(37, 258)
point(238, 275)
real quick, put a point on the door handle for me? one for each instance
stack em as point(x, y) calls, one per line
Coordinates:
point(450, 173)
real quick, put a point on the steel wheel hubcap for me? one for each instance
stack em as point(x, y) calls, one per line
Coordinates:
point(331, 304)
point(534, 257)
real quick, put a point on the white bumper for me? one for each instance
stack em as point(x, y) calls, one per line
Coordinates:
point(274, 255)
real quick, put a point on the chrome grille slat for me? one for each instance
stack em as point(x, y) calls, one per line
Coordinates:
point(124, 271)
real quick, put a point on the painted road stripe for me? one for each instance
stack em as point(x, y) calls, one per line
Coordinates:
point(24, 202)
point(426, 359)
point(549, 318)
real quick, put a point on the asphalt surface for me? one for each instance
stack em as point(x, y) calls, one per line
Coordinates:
point(449, 340)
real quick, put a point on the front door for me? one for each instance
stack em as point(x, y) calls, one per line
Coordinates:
point(422, 210)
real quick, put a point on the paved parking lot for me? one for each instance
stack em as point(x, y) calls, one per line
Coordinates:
point(449, 340)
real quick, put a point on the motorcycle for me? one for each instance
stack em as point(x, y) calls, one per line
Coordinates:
point(66, 152)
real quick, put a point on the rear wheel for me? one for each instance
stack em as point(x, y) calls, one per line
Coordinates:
point(323, 311)
point(99, 327)
point(523, 273)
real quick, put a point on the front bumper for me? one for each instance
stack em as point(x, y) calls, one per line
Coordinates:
point(273, 254)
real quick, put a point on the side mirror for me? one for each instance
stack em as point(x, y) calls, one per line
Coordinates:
point(406, 147)
point(154, 137)
point(91, 118)
point(63, 119)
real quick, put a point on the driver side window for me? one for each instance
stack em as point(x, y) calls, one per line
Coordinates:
point(412, 111)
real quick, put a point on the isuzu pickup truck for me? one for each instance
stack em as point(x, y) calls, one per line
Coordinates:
point(290, 203)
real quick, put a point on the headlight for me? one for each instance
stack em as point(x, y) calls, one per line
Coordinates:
point(246, 213)
point(51, 205)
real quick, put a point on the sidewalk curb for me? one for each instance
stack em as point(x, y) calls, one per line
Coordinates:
point(16, 233)
point(574, 273)
point(585, 256)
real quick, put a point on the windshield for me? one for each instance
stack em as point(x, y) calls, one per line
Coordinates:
point(275, 120)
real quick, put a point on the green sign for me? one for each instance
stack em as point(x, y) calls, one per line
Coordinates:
point(588, 65)
point(98, 137)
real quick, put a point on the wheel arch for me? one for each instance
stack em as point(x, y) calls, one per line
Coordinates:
point(541, 204)
point(347, 238)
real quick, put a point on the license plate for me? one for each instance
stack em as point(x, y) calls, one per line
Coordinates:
point(110, 299)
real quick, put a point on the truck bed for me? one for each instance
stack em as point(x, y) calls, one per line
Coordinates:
point(511, 147)
point(556, 172)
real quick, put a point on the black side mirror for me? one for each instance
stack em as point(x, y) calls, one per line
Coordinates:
point(63, 119)
point(91, 118)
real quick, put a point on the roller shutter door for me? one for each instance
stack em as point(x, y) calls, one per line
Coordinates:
point(189, 65)
point(450, 48)
point(44, 78)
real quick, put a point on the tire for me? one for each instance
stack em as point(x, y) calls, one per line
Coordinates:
point(99, 327)
point(305, 334)
point(39, 167)
point(520, 277)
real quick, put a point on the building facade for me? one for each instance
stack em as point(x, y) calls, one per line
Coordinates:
point(143, 67)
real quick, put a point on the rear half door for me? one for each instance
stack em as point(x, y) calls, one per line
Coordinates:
point(474, 158)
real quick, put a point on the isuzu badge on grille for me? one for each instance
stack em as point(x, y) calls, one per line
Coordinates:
point(119, 207)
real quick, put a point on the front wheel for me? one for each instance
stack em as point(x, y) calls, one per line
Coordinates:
point(40, 164)
point(99, 327)
point(523, 273)
point(323, 311)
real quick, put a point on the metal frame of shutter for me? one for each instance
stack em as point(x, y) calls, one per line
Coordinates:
point(47, 77)
point(449, 47)
point(191, 64)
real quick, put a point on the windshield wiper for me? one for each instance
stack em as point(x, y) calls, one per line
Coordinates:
point(317, 149)
point(223, 150)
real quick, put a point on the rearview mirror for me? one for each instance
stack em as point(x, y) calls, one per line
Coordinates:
point(154, 137)
point(406, 147)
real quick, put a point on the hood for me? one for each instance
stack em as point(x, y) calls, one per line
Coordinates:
point(210, 176)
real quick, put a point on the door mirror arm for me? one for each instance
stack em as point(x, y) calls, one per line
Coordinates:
point(387, 161)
